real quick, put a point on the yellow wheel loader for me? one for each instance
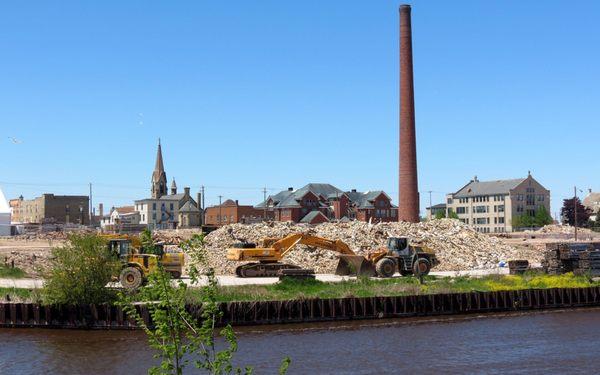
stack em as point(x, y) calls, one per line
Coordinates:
point(136, 265)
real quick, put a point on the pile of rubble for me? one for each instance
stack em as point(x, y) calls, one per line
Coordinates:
point(457, 246)
point(174, 237)
point(32, 262)
point(561, 229)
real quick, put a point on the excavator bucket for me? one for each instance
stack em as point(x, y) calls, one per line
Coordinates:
point(355, 265)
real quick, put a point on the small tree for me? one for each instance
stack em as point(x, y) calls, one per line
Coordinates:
point(440, 214)
point(79, 271)
point(147, 242)
point(452, 215)
point(568, 212)
point(542, 217)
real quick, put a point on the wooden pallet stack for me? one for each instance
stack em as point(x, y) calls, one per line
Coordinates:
point(517, 267)
point(579, 258)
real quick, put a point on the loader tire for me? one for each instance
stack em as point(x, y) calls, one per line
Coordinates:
point(385, 267)
point(131, 278)
point(421, 267)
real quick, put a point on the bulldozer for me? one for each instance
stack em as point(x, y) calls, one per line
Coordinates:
point(137, 265)
point(399, 256)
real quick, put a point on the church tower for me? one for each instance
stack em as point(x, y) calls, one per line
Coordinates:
point(159, 177)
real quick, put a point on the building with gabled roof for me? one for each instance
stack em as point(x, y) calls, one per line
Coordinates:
point(332, 202)
point(491, 206)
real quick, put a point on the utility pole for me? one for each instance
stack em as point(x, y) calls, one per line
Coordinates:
point(91, 205)
point(430, 208)
point(220, 217)
point(575, 209)
point(265, 203)
point(203, 208)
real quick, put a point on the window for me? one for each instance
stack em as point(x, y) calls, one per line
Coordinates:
point(154, 206)
point(540, 198)
point(519, 197)
point(501, 220)
point(462, 210)
point(482, 220)
point(519, 208)
point(481, 209)
point(154, 216)
point(171, 206)
point(449, 201)
point(530, 200)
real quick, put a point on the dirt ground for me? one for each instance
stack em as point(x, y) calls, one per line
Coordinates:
point(30, 255)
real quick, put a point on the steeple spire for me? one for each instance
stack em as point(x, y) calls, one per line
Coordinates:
point(173, 187)
point(159, 177)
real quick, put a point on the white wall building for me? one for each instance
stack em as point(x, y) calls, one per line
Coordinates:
point(118, 216)
point(4, 216)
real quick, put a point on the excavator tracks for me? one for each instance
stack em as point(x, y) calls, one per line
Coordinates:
point(263, 269)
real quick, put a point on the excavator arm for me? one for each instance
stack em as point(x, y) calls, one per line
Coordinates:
point(286, 244)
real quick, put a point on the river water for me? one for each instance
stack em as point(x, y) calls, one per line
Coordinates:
point(541, 343)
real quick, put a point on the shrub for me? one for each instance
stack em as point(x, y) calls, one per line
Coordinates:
point(79, 272)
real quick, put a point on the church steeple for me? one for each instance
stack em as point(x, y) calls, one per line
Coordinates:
point(173, 187)
point(159, 177)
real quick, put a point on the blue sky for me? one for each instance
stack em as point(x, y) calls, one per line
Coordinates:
point(279, 93)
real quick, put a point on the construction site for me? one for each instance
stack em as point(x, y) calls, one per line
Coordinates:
point(276, 269)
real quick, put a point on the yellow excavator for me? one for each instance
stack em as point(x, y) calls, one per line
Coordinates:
point(398, 255)
point(137, 264)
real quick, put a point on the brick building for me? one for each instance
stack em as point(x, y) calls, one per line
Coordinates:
point(332, 203)
point(230, 212)
point(50, 208)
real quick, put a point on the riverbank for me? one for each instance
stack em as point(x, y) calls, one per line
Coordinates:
point(535, 343)
point(107, 316)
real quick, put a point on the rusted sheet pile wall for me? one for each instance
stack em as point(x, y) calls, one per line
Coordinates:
point(310, 310)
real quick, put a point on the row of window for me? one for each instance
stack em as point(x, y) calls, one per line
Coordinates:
point(140, 207)
point(531, 198)
point(488, 230)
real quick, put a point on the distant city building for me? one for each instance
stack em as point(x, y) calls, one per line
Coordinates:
point(167, 211)
point(5, 215)
point(431, 212)
point(230, 212)
point(50, 208)
point(491, 206)
point(119, 217)
point(592, 202)
point(303, 204)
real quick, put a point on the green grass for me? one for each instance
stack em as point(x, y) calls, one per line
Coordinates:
point(304, 289)
point(11, 273)
point(20, 295)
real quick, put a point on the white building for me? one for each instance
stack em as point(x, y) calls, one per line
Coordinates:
point(120, 216)
point(491, 206)
point(4, 216)
point(592, 202)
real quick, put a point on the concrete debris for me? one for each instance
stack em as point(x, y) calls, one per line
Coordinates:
point(561, 229)
point(457, 246)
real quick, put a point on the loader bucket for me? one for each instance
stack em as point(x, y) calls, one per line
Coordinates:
point(355, 265)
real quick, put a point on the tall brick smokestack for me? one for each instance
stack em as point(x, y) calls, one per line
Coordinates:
point(408, 199)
